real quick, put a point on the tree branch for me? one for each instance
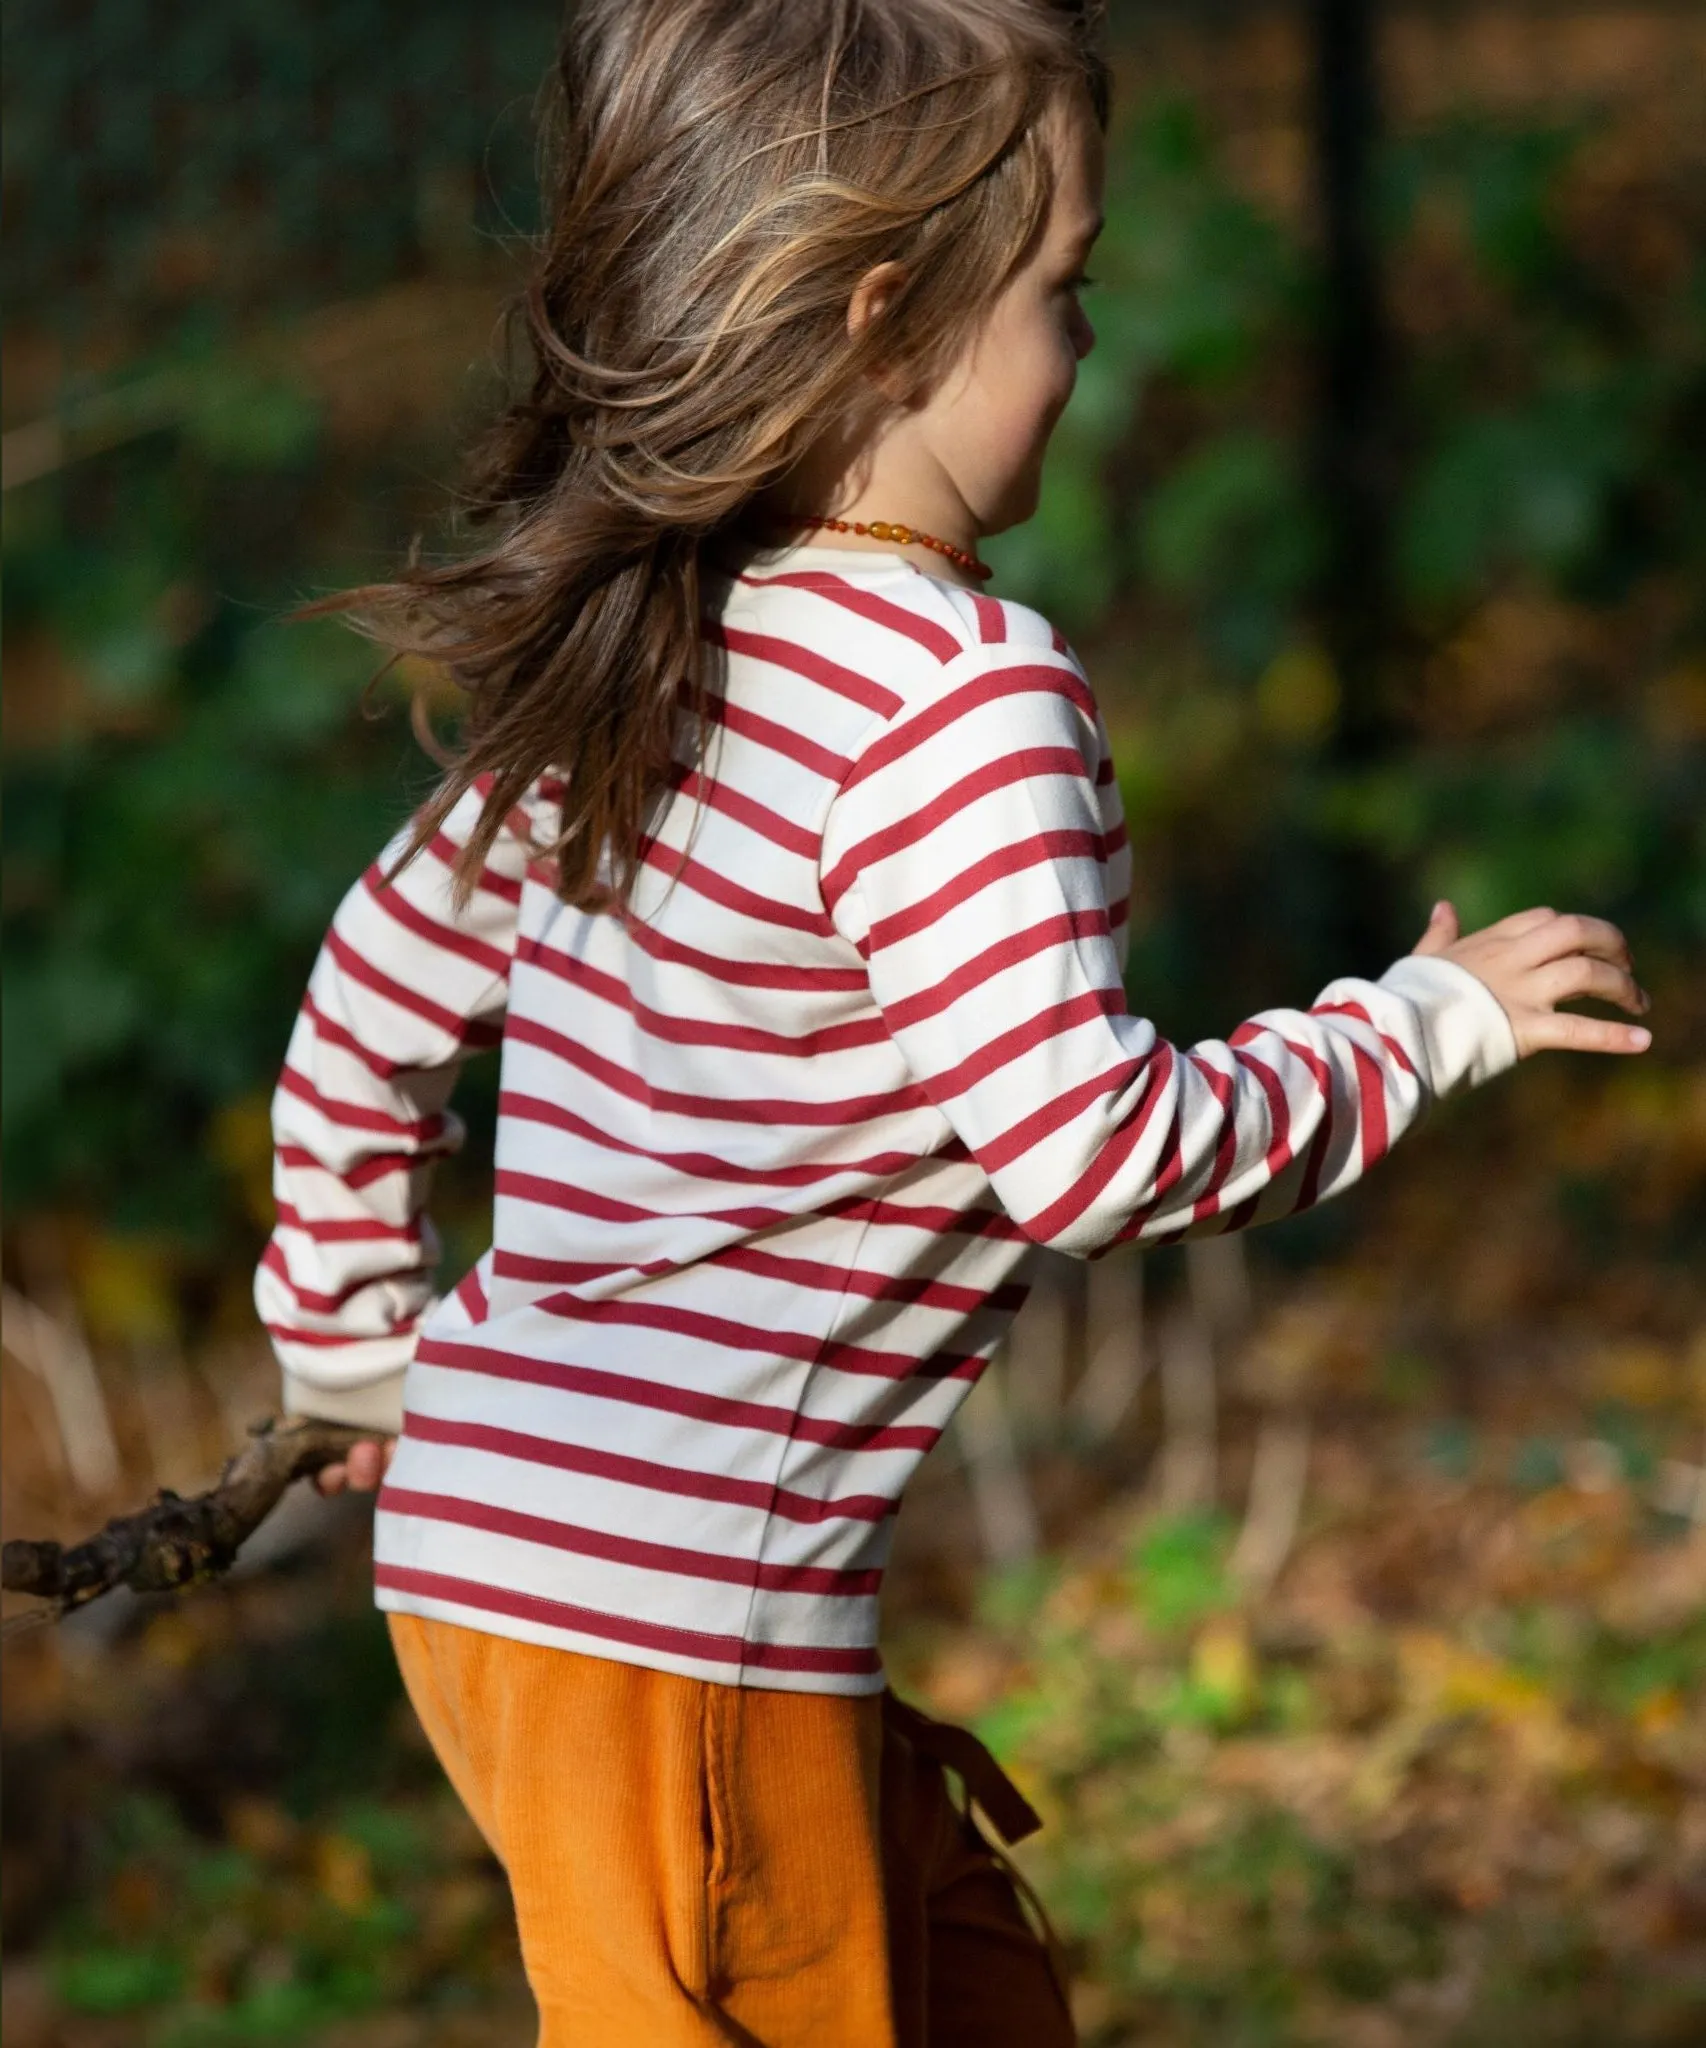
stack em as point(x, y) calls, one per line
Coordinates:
point(177, 1540)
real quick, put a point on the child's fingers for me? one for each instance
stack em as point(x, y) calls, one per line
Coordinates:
point(1580, 974)
point(1565, 1031)
point(1521, 921)
point(367, 1462)
point(361, 1471)
point(1559, 936)
point(1442, 929)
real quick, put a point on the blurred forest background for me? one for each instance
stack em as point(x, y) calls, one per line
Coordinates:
point(1338, 1594)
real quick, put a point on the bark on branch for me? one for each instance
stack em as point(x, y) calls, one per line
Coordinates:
point(177, 1540)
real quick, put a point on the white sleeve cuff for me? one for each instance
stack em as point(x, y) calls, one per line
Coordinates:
point(376, 1404)
point(1464, 1027)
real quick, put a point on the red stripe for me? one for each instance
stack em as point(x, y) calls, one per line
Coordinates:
point(599, 1385)
point(862, 1360)
point(1030, 679)
point(881, 611)
point(377, 1166)
point(444, 850)
point(1113, 1154)
point(335, 1340)
point(677, 1030)
point(996, 959)
point(917, 1289)
point(1280, 1149)
point(615, 1628)
point(646, 1473)
point(1310, 1190)
point(1025, 765)
point(347, 1229)
point(474, 1035)
point(1357, 1011)
point(779, 739)
point(991, 618)
point(934, 1217)
point(1041, 851)
point(1320, 1071)
point(1225, 1091)
point(537, 1272)
point(705, 1165)
point(472, 1296)
point(628, 1550)
point(578, 1201)
point(745, 973)
point(1018, 1138)
point(1371, 1084)
point(316, 1304)
point(1009, 1046)
point(717, 888)
point(448, 938)
point(853, 1109)
point(745, 810)
point(807, 662)
point(357, 968)
point(357, 1116)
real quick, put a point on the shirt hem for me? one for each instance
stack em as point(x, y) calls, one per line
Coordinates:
point(521, 1629)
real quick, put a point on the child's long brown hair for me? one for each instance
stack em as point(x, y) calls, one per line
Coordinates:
point(718, 174)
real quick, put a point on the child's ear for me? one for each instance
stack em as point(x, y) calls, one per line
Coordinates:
point(873, 295)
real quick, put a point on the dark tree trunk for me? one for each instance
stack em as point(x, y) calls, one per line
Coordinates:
point(1353, 451)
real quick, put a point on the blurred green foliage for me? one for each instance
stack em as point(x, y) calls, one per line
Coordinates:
point(173, 849)
point(196, 783)
point(1267, 1824)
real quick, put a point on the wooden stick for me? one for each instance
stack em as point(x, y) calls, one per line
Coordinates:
point(176, 1540)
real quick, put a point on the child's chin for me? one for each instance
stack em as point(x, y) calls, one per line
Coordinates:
point(1019, 504)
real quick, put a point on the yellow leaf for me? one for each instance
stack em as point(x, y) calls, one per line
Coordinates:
point(1443, 1679)
point(125, 1288)
point(1222, 1665)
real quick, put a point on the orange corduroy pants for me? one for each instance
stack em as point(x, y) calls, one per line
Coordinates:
point(696, 1864)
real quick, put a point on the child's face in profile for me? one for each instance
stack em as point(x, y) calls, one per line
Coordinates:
point(967, 460)
point(988, 424)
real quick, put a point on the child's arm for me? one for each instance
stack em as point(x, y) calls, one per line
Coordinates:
point(403, 990)
point(971, 855)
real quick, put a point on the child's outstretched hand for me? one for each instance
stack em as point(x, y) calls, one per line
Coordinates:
point(1537, 959)
point(361, 1471)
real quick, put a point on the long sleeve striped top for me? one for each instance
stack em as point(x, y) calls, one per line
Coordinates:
point(777, 1142)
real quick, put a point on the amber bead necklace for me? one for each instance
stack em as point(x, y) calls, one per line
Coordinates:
point(905, 536)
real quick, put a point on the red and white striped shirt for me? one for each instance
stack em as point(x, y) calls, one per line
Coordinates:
point(776, 1146)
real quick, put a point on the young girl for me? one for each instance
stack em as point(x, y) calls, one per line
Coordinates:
point(786, 864)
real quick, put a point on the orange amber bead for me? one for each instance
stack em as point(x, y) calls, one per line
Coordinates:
point(902, 536)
